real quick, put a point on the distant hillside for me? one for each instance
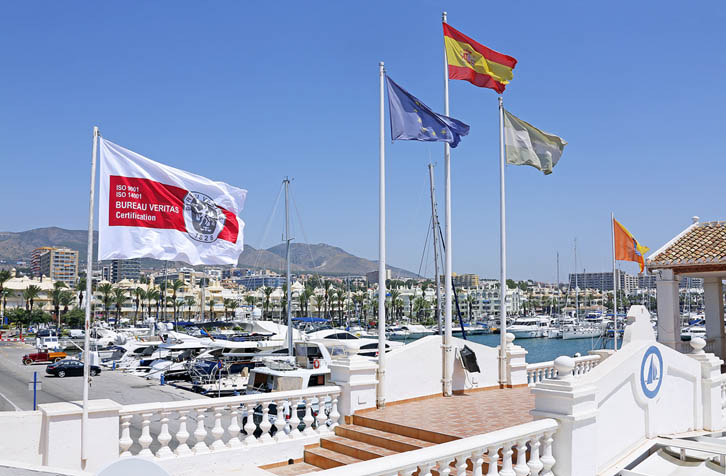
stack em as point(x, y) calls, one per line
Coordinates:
point(319, 258)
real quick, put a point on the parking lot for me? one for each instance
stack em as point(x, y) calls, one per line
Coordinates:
point(115, 385)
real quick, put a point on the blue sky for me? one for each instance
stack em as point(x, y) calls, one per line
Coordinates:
point(248, 92)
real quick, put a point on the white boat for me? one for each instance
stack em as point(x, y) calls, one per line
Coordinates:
point(694, 331)
point(409, 332)
point(342, 341)
point(581, 332)
point(530, 327)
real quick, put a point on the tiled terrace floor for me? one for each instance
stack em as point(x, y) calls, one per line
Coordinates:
point(461, 416)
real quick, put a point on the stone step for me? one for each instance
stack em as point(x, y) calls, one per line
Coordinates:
point(355, 448)
point(403, 430)
point(325, 458)
point(383, 439)
point(293, 469)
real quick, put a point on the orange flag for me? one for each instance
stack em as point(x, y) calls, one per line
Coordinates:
point(627, 248)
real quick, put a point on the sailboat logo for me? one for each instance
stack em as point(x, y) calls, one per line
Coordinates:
point(651, 372)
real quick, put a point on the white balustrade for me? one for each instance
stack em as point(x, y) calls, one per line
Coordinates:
point(540, 371)
point(162, 430)
point(532, 443)
point(723, 395)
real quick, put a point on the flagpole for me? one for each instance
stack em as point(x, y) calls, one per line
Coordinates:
point(615, 286)
point(381, 373)
point(89, 304)
point(448, 359)
point(502, 254)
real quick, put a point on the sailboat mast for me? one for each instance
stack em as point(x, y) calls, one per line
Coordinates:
point(287, 264)
point(577, 288)
point(435, 228)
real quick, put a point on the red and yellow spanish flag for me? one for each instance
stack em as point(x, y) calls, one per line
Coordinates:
point(475, 62)
point(627, 248)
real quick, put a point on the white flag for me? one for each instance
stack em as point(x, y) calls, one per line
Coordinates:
point(527, 145)
point(151, 210)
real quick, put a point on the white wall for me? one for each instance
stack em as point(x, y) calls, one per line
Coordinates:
point(414, 370)
point(20, 437)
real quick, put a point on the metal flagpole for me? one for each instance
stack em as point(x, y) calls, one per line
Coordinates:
point(448, 356)
point(381, 373)
point(615, 287)
point(502, 255)
point(89, 303)
point(435, 226)
point(290, 349)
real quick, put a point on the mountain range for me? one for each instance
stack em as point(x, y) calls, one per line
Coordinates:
point(318, 258)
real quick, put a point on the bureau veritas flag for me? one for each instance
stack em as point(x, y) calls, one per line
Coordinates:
point(151, 210)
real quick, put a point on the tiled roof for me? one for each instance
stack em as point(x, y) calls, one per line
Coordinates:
point(699, 244)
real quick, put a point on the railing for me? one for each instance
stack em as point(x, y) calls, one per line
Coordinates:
point(545, 370)
point(723, 397)
point(169, 429)
point(518, 450)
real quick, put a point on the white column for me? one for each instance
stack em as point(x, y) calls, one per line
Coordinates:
point(713, 302)
point(669, 316)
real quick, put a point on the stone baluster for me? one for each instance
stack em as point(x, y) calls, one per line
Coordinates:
point(408, 471)
point(321, 417)
point(507, 461)
point(265, 424)
point(218, 431)
point(521, 468)
point(233, 430)
point(164, 436)
point(535, 465)
point(334, 414)
point(200, 433)
point(182, 435)
point(250, 425)
point(426, 469)
point(145, 439)
point(125, 441)
point(294, 418)
point(308, 418)
point(493, 457)
point(443, 467)
point(477, 462)
point(548, 461)
point(460, 465)
point(280, 421)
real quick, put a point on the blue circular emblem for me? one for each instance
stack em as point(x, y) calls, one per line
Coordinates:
point(651, 372)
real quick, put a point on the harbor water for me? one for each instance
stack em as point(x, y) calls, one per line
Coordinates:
point(542, 349)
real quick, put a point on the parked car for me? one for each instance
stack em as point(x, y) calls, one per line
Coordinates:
point(43, 357)
point(70, 367)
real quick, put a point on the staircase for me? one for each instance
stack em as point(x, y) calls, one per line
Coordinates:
point(364, 439)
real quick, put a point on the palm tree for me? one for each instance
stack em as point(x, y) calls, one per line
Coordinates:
point(152, 294)
point(340, 296)
point(106, 291)
point(4, 277)
point(175, 287)
point(4, 293)
point(55, 296)
point(230, 304)
point(267, 290)
point(395, 294)
point(139, 296)
point(326, 287)
point(303, 297)
point(30, 294)
point(319, 302)
point(250, 300)
point(211, 308)
point(80, 288)
point(189, 301)
point(119, 299)
point(283, 302)
point(66, 299)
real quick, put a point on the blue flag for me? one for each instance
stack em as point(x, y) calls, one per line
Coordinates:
point(413, 120)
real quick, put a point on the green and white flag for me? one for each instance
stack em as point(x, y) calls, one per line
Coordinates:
point(527, 145)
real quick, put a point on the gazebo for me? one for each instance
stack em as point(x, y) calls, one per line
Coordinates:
point(698, 251)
